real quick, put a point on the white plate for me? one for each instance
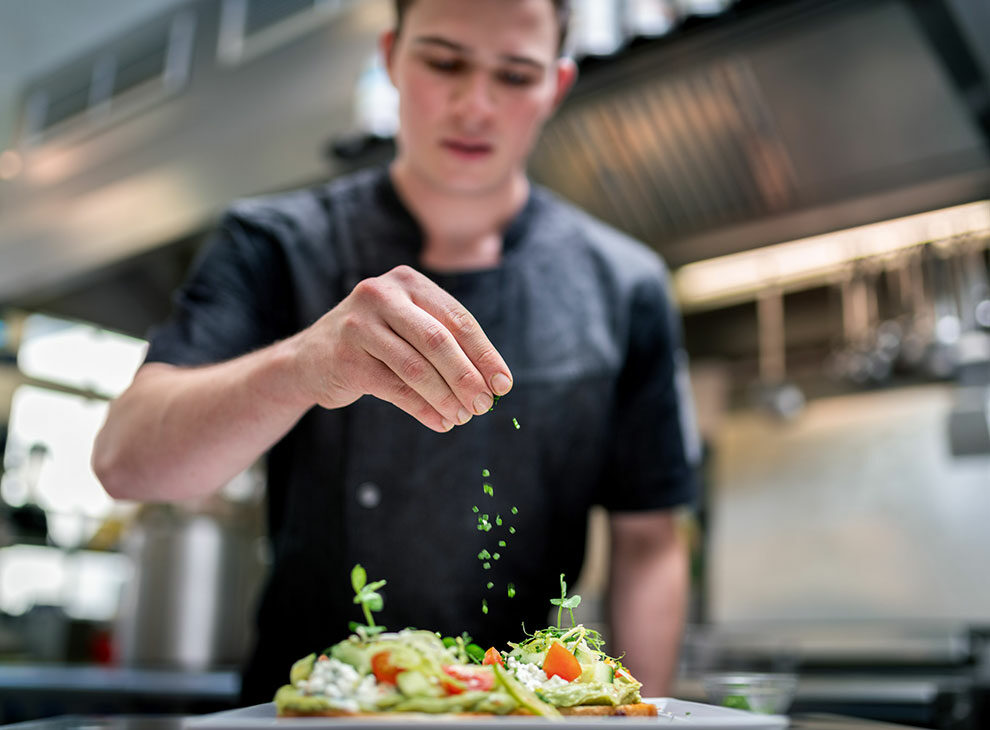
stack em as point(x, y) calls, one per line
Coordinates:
point(673, 713)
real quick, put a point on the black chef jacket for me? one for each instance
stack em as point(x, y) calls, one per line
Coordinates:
point(581, 315)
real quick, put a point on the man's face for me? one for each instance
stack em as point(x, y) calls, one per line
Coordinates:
point(477, 79)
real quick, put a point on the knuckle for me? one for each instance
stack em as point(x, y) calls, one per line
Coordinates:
point(462, 322)
point(404, 273)
point(436, 337)
point(413, 368)
point(403, 392)
point(350, 324)
point(465, 379)
point(369, 290)
point(489, 358)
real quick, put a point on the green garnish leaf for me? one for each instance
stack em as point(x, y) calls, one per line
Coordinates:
point(564, 602)
point(358, 577)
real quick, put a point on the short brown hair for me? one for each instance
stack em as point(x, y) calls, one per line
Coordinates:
point(562, 9)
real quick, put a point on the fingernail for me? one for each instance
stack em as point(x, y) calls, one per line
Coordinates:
point(463, 416)
point(501, 384)
point(447, 425)
point(482, 403)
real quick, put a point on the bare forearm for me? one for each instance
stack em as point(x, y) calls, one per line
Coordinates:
point(648, 603)
point(184, 432)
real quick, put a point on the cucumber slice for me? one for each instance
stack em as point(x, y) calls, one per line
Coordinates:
point(526, 698)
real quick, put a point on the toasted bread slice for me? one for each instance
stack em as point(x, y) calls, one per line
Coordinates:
point(639, 709)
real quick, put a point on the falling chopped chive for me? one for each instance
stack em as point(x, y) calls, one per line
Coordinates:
point(490, 585)
point(511, 590)
point(485, 517)
point(498, 520)
point(484, 555)
point(489, 490)
point(494, 401)
point(486, 565)
point(484, 606)
point(501, 543)
point(485, 473)
point(515, 423)
point(515, 511)
point(475, 509)
point(512, 530)
point(496, 556)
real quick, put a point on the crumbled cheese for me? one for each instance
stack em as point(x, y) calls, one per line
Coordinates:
point(533, 677)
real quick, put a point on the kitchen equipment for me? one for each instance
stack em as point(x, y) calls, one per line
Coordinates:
point(190, 599)
point(768, 693)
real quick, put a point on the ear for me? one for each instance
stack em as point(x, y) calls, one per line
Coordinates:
point(386, 44)
point(567, 73)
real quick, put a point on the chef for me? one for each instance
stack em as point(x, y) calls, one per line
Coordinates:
point(356, 334)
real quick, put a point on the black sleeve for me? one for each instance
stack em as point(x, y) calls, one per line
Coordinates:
point(233, 302)
point(651, 463)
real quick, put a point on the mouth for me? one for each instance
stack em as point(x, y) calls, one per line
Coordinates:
point(468, 149)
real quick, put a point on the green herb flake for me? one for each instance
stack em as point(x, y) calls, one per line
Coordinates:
point(515, 511)
point(512, 530)
point(511, 590)
point(484, 555)
point(490, 585)
point(489, 490)
point(486, 565)
point(485, 473)
point(515, 423)
point(484, 606)
point(496, 556)
point(498, 520)
point(475, 509)
point(501, 543)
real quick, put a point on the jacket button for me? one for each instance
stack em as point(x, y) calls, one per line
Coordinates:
point(369, 495)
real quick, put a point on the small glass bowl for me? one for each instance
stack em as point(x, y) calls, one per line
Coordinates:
point(764, 692)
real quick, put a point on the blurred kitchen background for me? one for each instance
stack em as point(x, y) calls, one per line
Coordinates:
point(815, 172)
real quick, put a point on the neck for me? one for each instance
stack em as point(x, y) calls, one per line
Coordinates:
point(461, 231)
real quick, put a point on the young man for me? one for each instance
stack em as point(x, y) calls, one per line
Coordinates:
point(432, 286)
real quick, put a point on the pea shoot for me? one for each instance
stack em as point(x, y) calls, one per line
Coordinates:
point(564, 602)
point(368, 597)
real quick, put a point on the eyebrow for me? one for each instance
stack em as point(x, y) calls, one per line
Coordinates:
point(433, 40)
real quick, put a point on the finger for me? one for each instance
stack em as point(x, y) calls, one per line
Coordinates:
point(468, 334)
point(416, 371)
point(384, 384)
point(440, 348)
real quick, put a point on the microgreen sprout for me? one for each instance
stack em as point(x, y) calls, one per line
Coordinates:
point(564, 602)
point(368, 597)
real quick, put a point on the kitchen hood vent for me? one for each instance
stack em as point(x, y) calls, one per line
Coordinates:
point(779, 125)
point(674, 156)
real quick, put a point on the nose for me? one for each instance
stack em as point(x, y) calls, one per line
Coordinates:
point(474, 101)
